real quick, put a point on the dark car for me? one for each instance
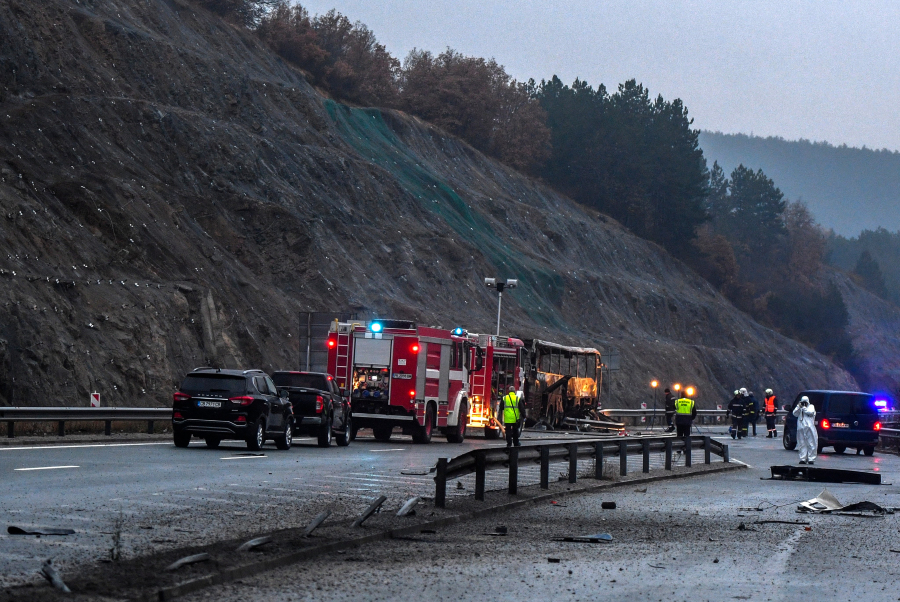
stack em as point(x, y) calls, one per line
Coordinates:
point(321, 409)
point(843, 419)
point(231, 404)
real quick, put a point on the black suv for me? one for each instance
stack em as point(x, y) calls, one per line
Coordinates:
point(320, 407)
point(843, 419)
point(220, 404)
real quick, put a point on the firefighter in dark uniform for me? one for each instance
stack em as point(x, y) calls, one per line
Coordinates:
point(670, 411)
point(736, 409)
point(511, 409)
point(771, 410)
point(751, 412)
point(685, 412)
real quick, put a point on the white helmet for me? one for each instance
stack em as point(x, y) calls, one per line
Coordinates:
point(744, 392)
point(769, 391)
point(736, 393)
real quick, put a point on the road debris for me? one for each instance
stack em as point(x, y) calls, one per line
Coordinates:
point(318, 520)
point(52, 575)
point(826, 503)
point(824, 475)
point(373, 507)
point(608, 505)
point(409, 508)
point(744, 527)
point(558, 504)
point(596, 538)
point(14, 530)
point(553, 560)
point(641, 490)
point(203, 557)
point(254, 543)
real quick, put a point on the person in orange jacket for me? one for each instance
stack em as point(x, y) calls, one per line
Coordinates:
point(770, 408)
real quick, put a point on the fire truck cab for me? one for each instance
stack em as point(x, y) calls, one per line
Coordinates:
point(497, 366)
point(399, 374)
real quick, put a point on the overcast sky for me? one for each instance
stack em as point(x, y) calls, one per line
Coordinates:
point(819, 69)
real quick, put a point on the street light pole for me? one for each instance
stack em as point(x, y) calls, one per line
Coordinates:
point(500, 285)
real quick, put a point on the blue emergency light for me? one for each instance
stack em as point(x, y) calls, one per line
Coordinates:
point(376, 327)
point(458, 331)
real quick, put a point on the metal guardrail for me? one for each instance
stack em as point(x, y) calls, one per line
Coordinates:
point(480, 461)
point(889, 437)
point(62, 415)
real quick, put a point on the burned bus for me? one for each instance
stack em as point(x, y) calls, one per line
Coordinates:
point(562, 386)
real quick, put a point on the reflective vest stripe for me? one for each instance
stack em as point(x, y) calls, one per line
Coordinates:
point(684, 406)
point(510, 408)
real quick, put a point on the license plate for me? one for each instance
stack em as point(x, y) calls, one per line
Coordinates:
point(209, 404)
point(840, 425)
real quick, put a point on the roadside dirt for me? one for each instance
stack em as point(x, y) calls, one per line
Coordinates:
point(172, 194)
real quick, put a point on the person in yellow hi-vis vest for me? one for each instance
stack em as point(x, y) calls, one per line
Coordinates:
point(685, 412)
point(511, 408)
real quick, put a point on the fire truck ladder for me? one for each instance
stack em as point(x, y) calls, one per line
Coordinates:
point(342, 369)
point(479, 410)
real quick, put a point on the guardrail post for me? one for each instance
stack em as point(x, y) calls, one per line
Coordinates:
point(707, 448)
point(545, 467)
point(669, 453)
point(573, 462)
point(598, 460)
point(62, 428)
point(10, 429)
point(645, 445)
point(513, 470)
point(480, 468)
point(687, 451)
point(623, 458)
point(725, 455)
point(440, 483)
point(108, 430)
point(149, 427)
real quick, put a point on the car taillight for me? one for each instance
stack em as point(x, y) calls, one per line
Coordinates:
point(241, 419)
point(825, 424)
point(179, 396)
point(244, 400)
point(412, 393)
point(177, 416)
point(320, 404)
point(877, 426)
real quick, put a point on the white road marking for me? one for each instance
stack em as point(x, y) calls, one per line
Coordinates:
point(46, 467)
point(78, 446)
point(387, 450)
point(243, 457)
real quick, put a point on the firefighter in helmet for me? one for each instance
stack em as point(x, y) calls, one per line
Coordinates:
point(771, 410)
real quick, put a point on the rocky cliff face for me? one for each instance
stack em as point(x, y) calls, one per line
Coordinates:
point(172, 194)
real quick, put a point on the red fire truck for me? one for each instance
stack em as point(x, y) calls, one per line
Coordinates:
point(498, 365)
point(399, 374)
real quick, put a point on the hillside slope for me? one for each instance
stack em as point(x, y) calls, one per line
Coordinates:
point(847, 189)
point(173, 194)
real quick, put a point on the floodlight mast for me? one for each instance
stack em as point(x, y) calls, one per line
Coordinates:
point(500, 285)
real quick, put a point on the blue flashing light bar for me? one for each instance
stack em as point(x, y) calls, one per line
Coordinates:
point(376, 327)
point(458, 331)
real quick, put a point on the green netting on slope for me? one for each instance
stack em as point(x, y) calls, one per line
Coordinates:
point(540, 290)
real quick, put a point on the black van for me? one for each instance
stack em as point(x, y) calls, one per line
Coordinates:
point(843, 419)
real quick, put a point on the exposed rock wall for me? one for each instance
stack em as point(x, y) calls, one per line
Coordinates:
point(172, 194)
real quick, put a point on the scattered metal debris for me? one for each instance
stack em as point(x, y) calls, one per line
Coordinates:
point(553, 560)
point(825, 475)
point(416, 472)
point(14, 530)
point(52, 575)
point(203, 557)
point(744, 527)
point(641, 490)
point(826, 503)
point(318, 520)
point(254, 543)
point(501, 530)
point(373, 507)
point(780, 522)
point(409, 508)
point(597, 538)
point(608, 505)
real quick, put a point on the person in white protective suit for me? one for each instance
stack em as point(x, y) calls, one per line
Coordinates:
point(807, 437)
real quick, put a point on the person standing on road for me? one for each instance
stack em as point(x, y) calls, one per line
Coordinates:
point(807, 437)
point(751, 411)
point(771, 410)
point(670, 411)
point(512, 416)
point(685, 412)
point(736, 409)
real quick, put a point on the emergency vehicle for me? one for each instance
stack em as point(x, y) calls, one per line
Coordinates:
point(399, 374)
point(498, 363)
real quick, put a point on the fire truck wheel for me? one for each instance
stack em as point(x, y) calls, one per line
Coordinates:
point(459, 432)
point(423, 433)
point(382, 433)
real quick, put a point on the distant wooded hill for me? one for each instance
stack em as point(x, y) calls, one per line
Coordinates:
point(847, 189)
